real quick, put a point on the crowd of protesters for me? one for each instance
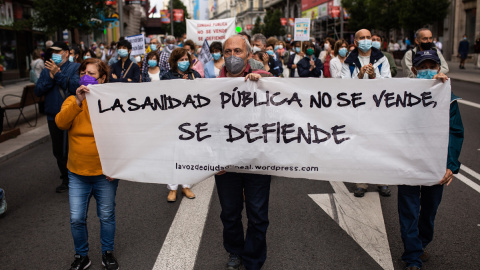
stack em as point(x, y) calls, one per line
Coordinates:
point(65, 72)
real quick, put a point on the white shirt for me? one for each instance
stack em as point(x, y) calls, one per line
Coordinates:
point(336, 67)
point(217, 72)
point(154, 76)
point(38, 66)
point(364, 60)
point(295, 61)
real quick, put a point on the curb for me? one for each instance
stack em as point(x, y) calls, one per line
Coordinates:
point(24, 142)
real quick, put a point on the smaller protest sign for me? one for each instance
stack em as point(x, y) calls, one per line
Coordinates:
point(138, 44)
point(205, 56)
point(178, 15)
point(283, 21)
point(210, 30)
point(302, 29)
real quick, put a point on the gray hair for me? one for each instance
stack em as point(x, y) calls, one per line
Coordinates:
point(420, 30)
point(249, 47)
point(170, 39)
point(260, 37)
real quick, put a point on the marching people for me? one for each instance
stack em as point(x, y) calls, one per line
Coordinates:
point(377, 43)
point(366, 62)
point(88, 54)
point(75, 54)
point(181, 68)
point(152, 73)
point(57, 81)
point(340, 52)
point(165, 56)
point(326, 55)
point(274, 57)
point(260, 45)
point(309, 66)
point(249, 250)
point(101, 52)
point(254, 64)
point(85, 171)
point(423, 42)
point(463, 48)
point(295, 58)
point(196, 64)
point(124, 70)
point(154, 47)
point(212, 68)
point(418, 205)
point(37, 65)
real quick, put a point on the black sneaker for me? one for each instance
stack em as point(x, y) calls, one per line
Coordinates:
point(359, 192)
point(234, 262)
point(109, 261)
point(80, 263)
point(62, 188)
point(384, 191)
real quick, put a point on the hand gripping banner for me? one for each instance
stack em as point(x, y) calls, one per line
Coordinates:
point(390, 131)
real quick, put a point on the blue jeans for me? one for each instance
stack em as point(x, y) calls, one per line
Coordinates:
point(81, 189)
point(230, 187)
point(417, 208)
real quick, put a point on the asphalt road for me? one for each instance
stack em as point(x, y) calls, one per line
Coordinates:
point(35, 232)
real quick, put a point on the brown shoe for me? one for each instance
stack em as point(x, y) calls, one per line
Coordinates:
point(425, 256)
point(188, 193)
point(172, 196)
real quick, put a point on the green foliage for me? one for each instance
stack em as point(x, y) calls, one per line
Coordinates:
point(273, 26)
point(179, 28)
point(393, 14)
point(258, 27)
point(57, 15)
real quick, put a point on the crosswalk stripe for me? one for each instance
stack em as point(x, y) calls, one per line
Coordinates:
point(179, 251)
point(469, 103)
point(470, 171)
point(468, 182)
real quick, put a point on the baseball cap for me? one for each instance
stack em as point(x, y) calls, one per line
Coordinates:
point(422, 56)
point(59, 46)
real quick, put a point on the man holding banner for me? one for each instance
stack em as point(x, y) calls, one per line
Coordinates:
point(252, 249)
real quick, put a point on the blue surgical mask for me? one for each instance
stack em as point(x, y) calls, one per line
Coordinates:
point(86, 57)
point(183, 65)
point(216, 56)
point(101, 47)
point(365, 45)
point(276, 47)
point(343, 52)
point(270, 52)
point(153, 47)
point(70, 58)
point(57, 58)
point(297, 49)
point(152, 63)
point(376, 45)
point(122, 53)
point(426, 73)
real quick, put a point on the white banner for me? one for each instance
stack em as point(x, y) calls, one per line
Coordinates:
point(391, 131)
point(138, 44)
point(210, 30)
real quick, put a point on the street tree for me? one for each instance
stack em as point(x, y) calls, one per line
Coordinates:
point(272, 24)
point(179, 28)
point(257, 28)
point(57, 15)
point(417, 14)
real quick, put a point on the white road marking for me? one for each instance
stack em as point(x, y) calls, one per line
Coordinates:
point(361, 218)
point(469, 103)
point(179, 251)
point(470, 171)
point(469, 182)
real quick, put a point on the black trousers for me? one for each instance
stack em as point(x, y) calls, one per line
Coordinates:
point(60, 148)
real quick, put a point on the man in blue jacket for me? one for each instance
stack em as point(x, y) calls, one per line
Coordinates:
point(417, 205)
point(463, 48)
point(57, 81)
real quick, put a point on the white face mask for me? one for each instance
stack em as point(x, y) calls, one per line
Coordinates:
point(256, 49)
point(138, 58)
point(326, 46)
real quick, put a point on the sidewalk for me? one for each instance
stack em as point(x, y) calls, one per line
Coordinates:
point(32, 136)
point(29, 136)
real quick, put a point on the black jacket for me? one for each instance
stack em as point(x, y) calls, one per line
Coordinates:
point(303, 67)
point(192, 74)
point(352, 59)
point(133, 73)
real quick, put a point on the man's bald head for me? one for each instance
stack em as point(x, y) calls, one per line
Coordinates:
point(238, 41)
point(363, 34)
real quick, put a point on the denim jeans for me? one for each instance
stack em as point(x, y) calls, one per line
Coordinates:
point(230, 187)
point(417, 208)
point(81, 189)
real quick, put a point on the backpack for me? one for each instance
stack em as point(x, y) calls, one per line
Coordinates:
point(33, 74)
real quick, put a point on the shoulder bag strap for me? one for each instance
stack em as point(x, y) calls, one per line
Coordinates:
point(125, 74)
